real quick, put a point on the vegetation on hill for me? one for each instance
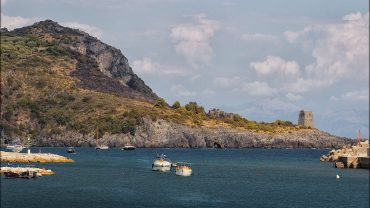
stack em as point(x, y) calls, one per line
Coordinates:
point(40, 97)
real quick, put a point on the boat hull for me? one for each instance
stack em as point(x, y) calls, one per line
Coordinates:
point(183, 171)
point(102, 148)
point(161, 165)
point(128, 148)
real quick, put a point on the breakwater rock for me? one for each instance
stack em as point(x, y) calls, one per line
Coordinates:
point(356, 156)
point(161, 133)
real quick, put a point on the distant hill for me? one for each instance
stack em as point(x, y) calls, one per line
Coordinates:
point(61, 86)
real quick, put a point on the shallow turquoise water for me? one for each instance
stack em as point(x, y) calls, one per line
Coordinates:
point(221, 178)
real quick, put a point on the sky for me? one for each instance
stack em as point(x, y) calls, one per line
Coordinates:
point(265, 60)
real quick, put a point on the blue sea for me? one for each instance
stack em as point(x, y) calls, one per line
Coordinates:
point(221, 178)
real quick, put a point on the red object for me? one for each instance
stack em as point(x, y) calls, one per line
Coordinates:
point(358, 136)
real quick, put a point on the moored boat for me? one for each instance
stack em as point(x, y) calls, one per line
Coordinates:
point(24, 174)
point(183, 169)
point(162, 163)
point(15, 147)
point(128, 147)
point(71, 150)
point(101, 147)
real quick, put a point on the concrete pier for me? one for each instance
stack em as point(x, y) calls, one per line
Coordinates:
point(24, 169)
point(32, 157)
point(352, 162)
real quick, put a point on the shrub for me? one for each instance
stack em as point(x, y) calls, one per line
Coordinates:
point(40, 84)
point(176, 105)
point(160, 103)
point(86, 99)
point(194, 108)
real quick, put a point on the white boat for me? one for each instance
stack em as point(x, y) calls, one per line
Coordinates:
point(15, 147)
point(102, 147)
point(162, 163)
point(128, 147)
point(183, 169)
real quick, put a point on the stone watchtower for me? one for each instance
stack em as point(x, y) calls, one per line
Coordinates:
point(306, 119)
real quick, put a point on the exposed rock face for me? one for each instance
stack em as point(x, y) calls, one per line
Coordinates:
point(106, 70)
point(161, 133)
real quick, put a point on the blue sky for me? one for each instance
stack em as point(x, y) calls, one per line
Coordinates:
point(265, 60)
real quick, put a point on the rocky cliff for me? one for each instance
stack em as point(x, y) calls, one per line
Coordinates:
point(100, 66)
point(162, 133)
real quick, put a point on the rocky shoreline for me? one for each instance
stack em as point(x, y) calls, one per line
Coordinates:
point(161, 133)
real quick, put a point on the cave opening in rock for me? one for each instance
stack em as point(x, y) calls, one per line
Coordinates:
point(217, 145)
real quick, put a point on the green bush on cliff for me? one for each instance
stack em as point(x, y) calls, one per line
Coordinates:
point(176, 105)
point(160, 103)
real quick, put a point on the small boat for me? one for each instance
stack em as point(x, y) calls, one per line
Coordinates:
point(128, 147)
point(15, 147)
point(101, 147)
point(71, 150)
point(183, 169)
point(24, 174)
point(162, 163)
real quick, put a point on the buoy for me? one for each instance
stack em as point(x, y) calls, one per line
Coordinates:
point(338, 176)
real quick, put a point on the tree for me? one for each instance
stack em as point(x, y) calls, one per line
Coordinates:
point(176, 105)
point(193, 107)
point(160, 103)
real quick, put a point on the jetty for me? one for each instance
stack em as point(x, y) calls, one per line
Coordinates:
point(42, 171)
point(32, 157)
point(356, 156)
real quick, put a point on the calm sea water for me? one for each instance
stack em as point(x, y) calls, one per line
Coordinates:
point(221, 178)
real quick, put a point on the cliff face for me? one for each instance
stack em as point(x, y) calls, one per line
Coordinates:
point(162, 133)
point(100, 66)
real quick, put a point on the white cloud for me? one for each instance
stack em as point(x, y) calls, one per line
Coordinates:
point(362, 95)
point(148, 66)
point(333, 98)
point(227, 81)
point(293, 97)
point(181, 91)
point(340, 50)
point(259, 37)
point(274, 64)
point(192, 40)
point(91, 30)
point(258, 88)
point(15, 22)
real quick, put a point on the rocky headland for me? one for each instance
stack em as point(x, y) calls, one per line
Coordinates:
point(162, 133)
